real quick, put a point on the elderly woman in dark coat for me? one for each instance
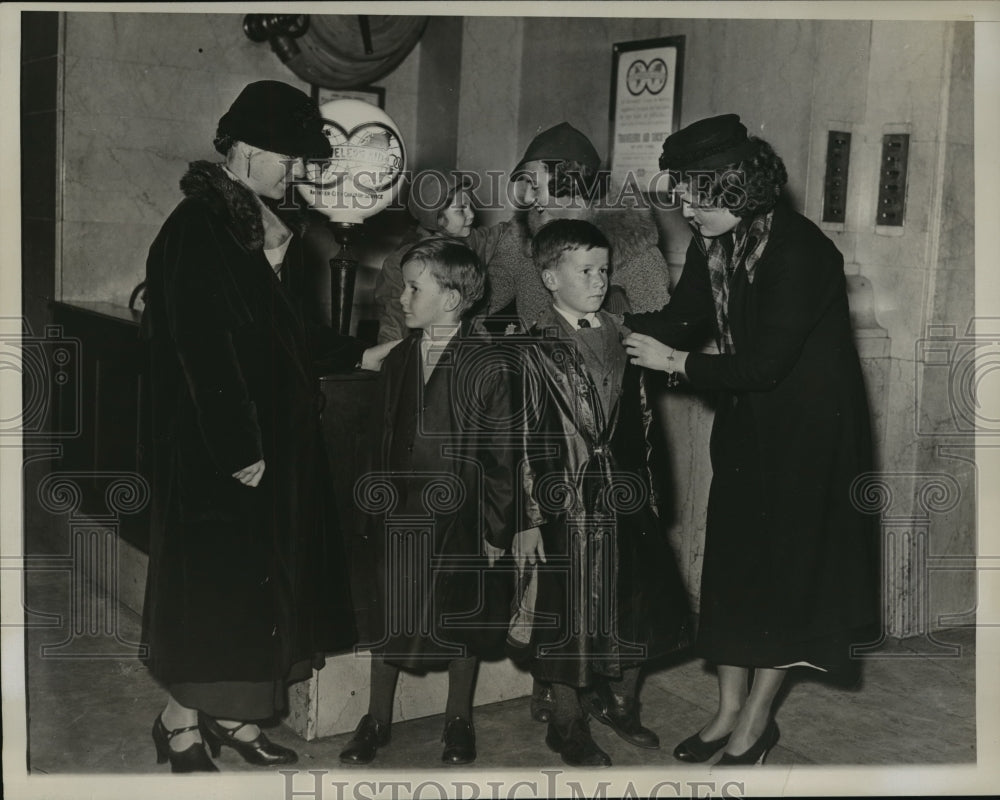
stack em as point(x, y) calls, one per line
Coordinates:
point(790, 571)
point(246, 587)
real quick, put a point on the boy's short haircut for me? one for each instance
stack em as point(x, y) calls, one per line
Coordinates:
point(562, 235)
point(452, 265)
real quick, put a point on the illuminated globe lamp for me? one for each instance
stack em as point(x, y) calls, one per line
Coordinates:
point(361, 178)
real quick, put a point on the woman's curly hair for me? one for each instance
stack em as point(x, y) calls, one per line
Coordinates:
point(223, 142)
point(752, 186)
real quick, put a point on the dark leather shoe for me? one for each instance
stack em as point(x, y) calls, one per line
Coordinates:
point(695, 750)
point(260, 751)
point(368, 737)
point(576, 746)
point(459, 741)
point(191, 759)
point(621, 714)
point(542, 701)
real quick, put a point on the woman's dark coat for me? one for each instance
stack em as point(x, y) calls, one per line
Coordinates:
point(243, 582)
point(791, 566)
point(610, 595)
point(439, 482)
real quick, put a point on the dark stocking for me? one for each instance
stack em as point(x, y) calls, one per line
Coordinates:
point(383, 690)
point(461, 680)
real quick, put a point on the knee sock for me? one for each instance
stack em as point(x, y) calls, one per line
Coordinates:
point(461, 680)
point(383, 690)
point(567, 705)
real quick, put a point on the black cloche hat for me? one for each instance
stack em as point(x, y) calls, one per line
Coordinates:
point(274, 116)
point(706, 144)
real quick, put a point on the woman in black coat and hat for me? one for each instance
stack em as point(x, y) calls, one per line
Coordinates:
point(246, 587)
point(790, 573)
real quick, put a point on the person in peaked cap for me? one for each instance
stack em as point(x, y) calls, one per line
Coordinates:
point(560, 177)
point(245, 589)
point(790, 575)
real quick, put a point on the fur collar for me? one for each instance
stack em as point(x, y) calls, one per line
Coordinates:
point(234, 203)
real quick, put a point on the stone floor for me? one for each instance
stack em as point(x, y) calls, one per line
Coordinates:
point(93, 714)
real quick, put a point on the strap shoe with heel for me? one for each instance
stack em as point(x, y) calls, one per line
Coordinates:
point(260, 751)
point(191, 759)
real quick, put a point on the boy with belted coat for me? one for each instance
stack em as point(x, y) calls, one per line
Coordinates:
point(600, 593)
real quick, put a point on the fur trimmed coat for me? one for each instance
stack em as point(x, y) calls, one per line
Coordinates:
point(243, 582)
point(637, 265)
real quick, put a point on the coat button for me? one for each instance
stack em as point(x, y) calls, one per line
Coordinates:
point(274, 631)
point(266, 580)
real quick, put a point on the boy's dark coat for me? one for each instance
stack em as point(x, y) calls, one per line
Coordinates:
point(610, 594)
point(455, 490)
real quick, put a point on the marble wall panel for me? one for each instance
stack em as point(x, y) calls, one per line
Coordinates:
point(687, 422)
point(957, 244)
point(567, 70)
point(952, 579)
point(900, 297)
point(142, 95)
point(402, 90)
point(762, 70)
point(840, 79)
point(103, 261)
point(905, 52)
point(128, 172)
point(954, 295)
point(208, 43)
point(961, 94)
point(489, 108)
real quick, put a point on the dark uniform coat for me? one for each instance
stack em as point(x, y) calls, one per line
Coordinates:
point(439, 483)
point(243, 582)
point(610, 595)
point(791, 566)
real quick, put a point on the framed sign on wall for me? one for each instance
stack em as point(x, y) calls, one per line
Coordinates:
point(645, 105)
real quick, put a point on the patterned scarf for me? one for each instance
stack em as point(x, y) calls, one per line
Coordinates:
point(725, 255)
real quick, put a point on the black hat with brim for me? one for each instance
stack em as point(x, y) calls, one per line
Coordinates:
point(277, 117)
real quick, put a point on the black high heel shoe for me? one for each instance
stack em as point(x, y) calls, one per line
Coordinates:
point(758, 750)
point(260, 751)
point(695, 750)
point(191, 759)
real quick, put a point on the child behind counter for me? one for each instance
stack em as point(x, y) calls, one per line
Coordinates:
point(441, 207)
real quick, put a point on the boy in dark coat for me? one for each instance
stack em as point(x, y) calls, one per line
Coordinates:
point(607, 596)
point(439, 496)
